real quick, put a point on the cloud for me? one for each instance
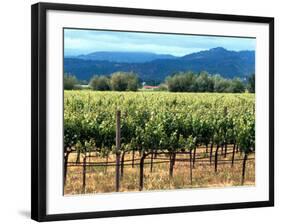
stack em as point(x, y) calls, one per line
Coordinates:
point(79, 41)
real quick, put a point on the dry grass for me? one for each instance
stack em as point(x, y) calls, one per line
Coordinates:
point(100, 179)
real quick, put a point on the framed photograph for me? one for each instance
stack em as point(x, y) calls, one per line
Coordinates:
point(140, 111)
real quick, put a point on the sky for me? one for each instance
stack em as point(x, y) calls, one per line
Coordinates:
point(78, 41)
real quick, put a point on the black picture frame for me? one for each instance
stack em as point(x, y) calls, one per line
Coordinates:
point(38, 110)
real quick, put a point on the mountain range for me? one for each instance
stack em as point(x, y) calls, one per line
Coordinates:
point(124, 57)
point(157, 67)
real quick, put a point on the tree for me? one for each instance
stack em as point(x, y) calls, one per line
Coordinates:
point(118, 81)
point(122, 81)
point(237, 86)
point(100, 83)
point(204, 83)
point(69, 81)
point(132, 82)
point(181, 82)
point(221, 85)
point(251, 83)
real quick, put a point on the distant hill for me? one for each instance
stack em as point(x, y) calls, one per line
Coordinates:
point(215, 61)
point(124, 57)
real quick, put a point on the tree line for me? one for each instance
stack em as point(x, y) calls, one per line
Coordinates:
point(177, 82)
point(118, 81)
point(204, 82)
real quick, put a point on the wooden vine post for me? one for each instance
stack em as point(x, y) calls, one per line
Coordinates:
point(118, 144)
point(142, 170)
point(84, 174)
point(233, 154)
point(216, 157)
point(211, 150)
point(191, 145)
point(225, 134)
point(190, 166)
point(65, 161)
point(151, 162)
point(244, 167)
point(122, 164)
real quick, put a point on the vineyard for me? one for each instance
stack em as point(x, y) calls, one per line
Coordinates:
point(129, 141)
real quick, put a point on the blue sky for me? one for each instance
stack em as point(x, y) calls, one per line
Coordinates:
point(78, 42)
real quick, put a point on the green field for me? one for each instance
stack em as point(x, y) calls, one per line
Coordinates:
point(168, 140)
